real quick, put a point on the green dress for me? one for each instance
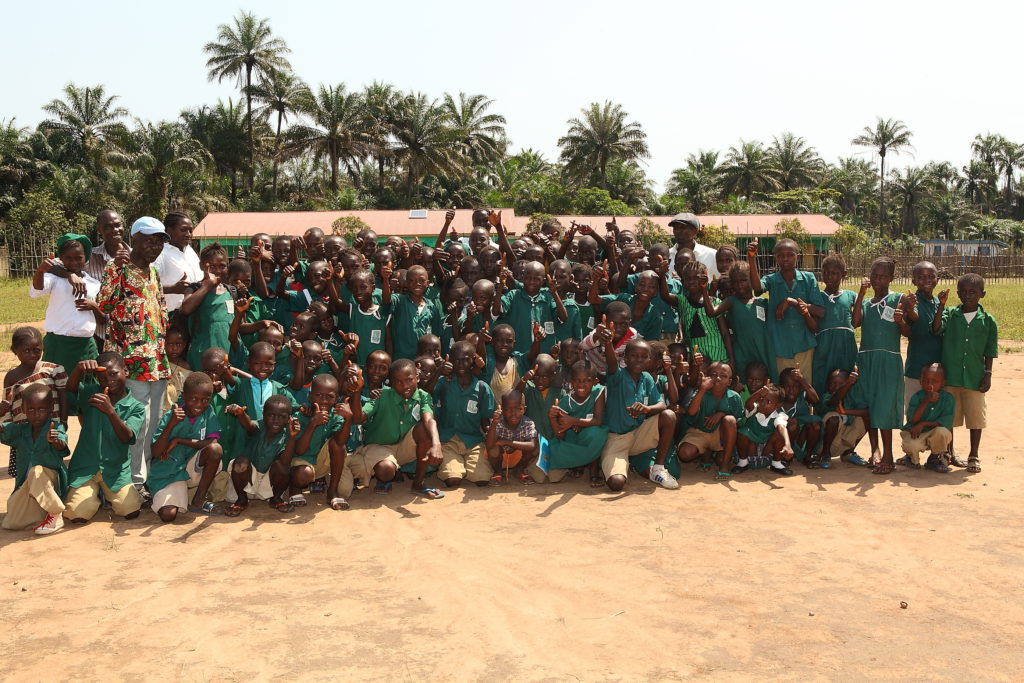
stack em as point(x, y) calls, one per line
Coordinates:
point(751, 340)
point(369, 326)
point(211, 323)
point(577, 449)
point(880, 365)
point(538, 406)
point(410, 322)
point(837, 347)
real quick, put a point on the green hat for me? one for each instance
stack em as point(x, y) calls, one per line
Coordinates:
point(82, 239)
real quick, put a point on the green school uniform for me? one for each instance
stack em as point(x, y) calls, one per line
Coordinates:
point(790, 335)
point(801, 411)
point(750, 338)
point(355, 434)
point(321, 433)
point(37, 450)
point(849, 403)
point(263, 448)
point(251, 394)
point(572, 328)
point(520, 310)
point(752, 428)
point(965, 346)
point(410, 322)
point(670, 316)
point(650, 323)
point(576, 449)
point(258, 310)
point(836, 345)
point(701, 331)
point(370, 326)
point(538, 405)
point(490, 363)
point(730, 404)
point(390, 416)
point(587, 318)
point(460, 410)
point(880, 365)
point(163, 473)
point(624, 391)
point(210, 325)
point(941, 411)
point(99, 449)
point(923, 347)
point(478, 321)
point(283, 372)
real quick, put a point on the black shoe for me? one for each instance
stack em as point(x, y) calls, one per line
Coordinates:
point(784, 471)
point(740, 469)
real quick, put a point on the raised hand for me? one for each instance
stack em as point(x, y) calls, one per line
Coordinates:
point(706, 383)
point(478, 361)
point(242, 305)
point(538, 332)
point(446, 368)
point(898, 315)
point(943, 297)
point(101, 402)
point(234, 409)
point(177, 415)
point(752, 247)
point(802, 306)
point(122, 256)
point(90, 366)
point(320, 417)
point(47, 263)
point(865, 285)
point(294, 427)
point(531, 373)
point(485, 333)
point(295, 346)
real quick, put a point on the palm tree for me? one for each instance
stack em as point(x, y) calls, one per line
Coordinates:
point(601, 136)
point(979, 184)
point(1009, 157)
point(797, 163)
point(336, 132)
point(749, 169)
point(888, 135)
point(424, 143)
point(380, 101)
point(912, 186)
point(222, 131)
point(628, 183)
point(279, 93)
point(240, 50)
point(90, 122)
point(164, 150)
point(481, 135)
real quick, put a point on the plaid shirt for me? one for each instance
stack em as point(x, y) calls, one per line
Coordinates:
point(526, 431)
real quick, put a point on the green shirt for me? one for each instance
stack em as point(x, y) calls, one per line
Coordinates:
point(390, 416)
point(923, 347)
point(649, 325)
point(966, 346)
point(410, 322)
point(790, 335)
point(369, 326)
point(572, 328)
point(321, 433)
point(669, 315)
point(941, 411)
point(36, 451)
point(702, 331)
point(98, 448)
point(520, 310)
point(624, 391)
point(730, 404)
point(263, 451)
point(163, 473)
point(538, 405)
point(459, 410)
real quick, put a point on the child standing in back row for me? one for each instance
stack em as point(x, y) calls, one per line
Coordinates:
point(924, 347)
point(836, 344)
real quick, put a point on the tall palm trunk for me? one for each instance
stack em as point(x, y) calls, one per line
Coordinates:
point(248, 110)
point(277, 151)
point(334, 171)
point(881, 191)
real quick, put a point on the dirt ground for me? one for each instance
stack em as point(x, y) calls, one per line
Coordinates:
point(796, 579)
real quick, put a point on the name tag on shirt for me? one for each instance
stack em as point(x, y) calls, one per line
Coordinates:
point(471, 407)
point(416, 412)
point(375, 336)
point(549, 327)
point(590, 416)
point(202, 433)
point(590, 322)
point(759, 312)
point(887, 313)
point(230, 303)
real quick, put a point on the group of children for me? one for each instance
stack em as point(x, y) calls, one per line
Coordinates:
point(305, 364)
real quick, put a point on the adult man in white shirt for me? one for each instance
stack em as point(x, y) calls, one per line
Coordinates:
point(178, 264)
point(685, 228)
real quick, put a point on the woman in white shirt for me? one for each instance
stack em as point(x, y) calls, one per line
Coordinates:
point(70, 321)
point(178, 264)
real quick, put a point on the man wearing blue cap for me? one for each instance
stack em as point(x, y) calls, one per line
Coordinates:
point(130, 294)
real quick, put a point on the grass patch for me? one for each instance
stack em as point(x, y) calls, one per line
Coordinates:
point(17, 308)
point(1002, 301)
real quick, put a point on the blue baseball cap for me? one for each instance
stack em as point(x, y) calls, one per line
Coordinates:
point(147, 225)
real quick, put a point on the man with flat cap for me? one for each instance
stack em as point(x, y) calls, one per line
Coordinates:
point(686, 228)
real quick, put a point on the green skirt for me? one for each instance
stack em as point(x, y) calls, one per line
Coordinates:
point(67, 351)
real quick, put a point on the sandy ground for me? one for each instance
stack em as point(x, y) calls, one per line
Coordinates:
point(794, 579)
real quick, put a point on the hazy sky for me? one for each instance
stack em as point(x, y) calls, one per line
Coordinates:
point(694, 75)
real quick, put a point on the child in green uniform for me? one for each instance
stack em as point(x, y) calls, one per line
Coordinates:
point(211, 308)
point(881, 366)
point(463, 407)
point(520, 308)
point(702, 333)
point(324, 427)
point(413, 315)
point(764, 433)
point(364, 317)
point(185, 452)
point(102, 461)
point(792, 339)
point(923, 346)
point(541, 394)
point(582, 274)
point(572, 326)
point(647, 317)
point(929, 425)
point(41, 479)
point(262, 472)
point(970, 343)
point(577, 420)
point(478, 310)
point(399, 429)
point(804, 426)
point(747, 315)
point(637, 416)
point(845, 419)
point(836, 345)
point(714, 413)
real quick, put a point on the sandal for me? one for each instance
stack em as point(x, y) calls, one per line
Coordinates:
point(526, 479)
point(497, 480)
point(206, 508)
point(812, 461)
point(883, 468)
point(281, 505)
point(339, 503)
point(596, 481)
point(298, 500)
point(432, 494)
point(234, 510)
point(723, 476)
point(906, 461)
point(955, 460)
point(936, 463)
point(974, 464)
point(383, 488)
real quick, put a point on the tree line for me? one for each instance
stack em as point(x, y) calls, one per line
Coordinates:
point(284, 145)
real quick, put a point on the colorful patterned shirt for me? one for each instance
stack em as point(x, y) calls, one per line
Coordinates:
point(137, 320)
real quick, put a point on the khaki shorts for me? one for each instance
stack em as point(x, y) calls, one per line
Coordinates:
point(803, 360)
point(460, 462)
point(322, 466)
point(366, 457)
point(83, 502)
point(176, 493)
point(970, 408)
point(935, 440)
point(848, 436)
point(34, 499)
point(705, 442)
point(258, 488)
point(618, 448)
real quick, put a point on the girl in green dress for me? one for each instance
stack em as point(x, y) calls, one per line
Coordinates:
point(837, 346)
point(211, 308)
point(747, 315)
point(880, 386)
point(576, 420)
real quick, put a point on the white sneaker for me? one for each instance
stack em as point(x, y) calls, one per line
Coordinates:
point(52, 524)
point(660, 475)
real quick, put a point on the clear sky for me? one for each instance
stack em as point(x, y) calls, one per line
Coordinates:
point(694, 75)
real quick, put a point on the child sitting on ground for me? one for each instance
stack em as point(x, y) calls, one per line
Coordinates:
point(578, 425)
point(764, 434)
point(262, 472)
point(512, 440)
point(714, 413)
point(324, 427)
point(846, 419)
point(929, 424)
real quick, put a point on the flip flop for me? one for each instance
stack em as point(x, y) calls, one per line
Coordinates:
point(298, 500)
point(206, 508)
point(432, 494)
point(723, 476)
point(596, 482)
point(339, 504)
point(283, 506)
point(234, 510)
point(883, 469)
point(384, 488)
